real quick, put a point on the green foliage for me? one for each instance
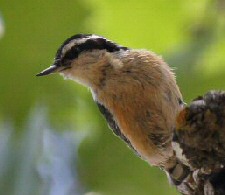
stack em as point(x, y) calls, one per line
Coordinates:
point(34, 31)
point(189, 35)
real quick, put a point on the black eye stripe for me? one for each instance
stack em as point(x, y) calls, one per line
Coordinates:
point(75, 37)
point(89, 45)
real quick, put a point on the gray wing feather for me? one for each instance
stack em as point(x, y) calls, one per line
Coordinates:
point(113, 125)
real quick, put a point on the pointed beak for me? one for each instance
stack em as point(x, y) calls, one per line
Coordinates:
point(51, 69)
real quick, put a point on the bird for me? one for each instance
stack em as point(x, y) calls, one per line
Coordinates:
point(134, 89)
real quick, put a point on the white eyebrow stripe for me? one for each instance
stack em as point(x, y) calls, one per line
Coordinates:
point(77, 42)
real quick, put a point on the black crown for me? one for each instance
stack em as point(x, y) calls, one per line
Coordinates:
point(93, 43)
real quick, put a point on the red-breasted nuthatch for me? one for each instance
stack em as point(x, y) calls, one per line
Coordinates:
point(135, 90)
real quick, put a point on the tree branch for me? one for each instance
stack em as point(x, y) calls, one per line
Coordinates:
point(199, 143)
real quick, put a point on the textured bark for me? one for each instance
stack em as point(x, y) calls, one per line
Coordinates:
point(199, 143)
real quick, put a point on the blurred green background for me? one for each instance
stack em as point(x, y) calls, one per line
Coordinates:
point(53, 139)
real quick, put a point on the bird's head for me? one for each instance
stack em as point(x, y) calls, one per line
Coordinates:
point(82, 56)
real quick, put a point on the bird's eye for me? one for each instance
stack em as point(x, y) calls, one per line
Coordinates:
point(65, 63)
